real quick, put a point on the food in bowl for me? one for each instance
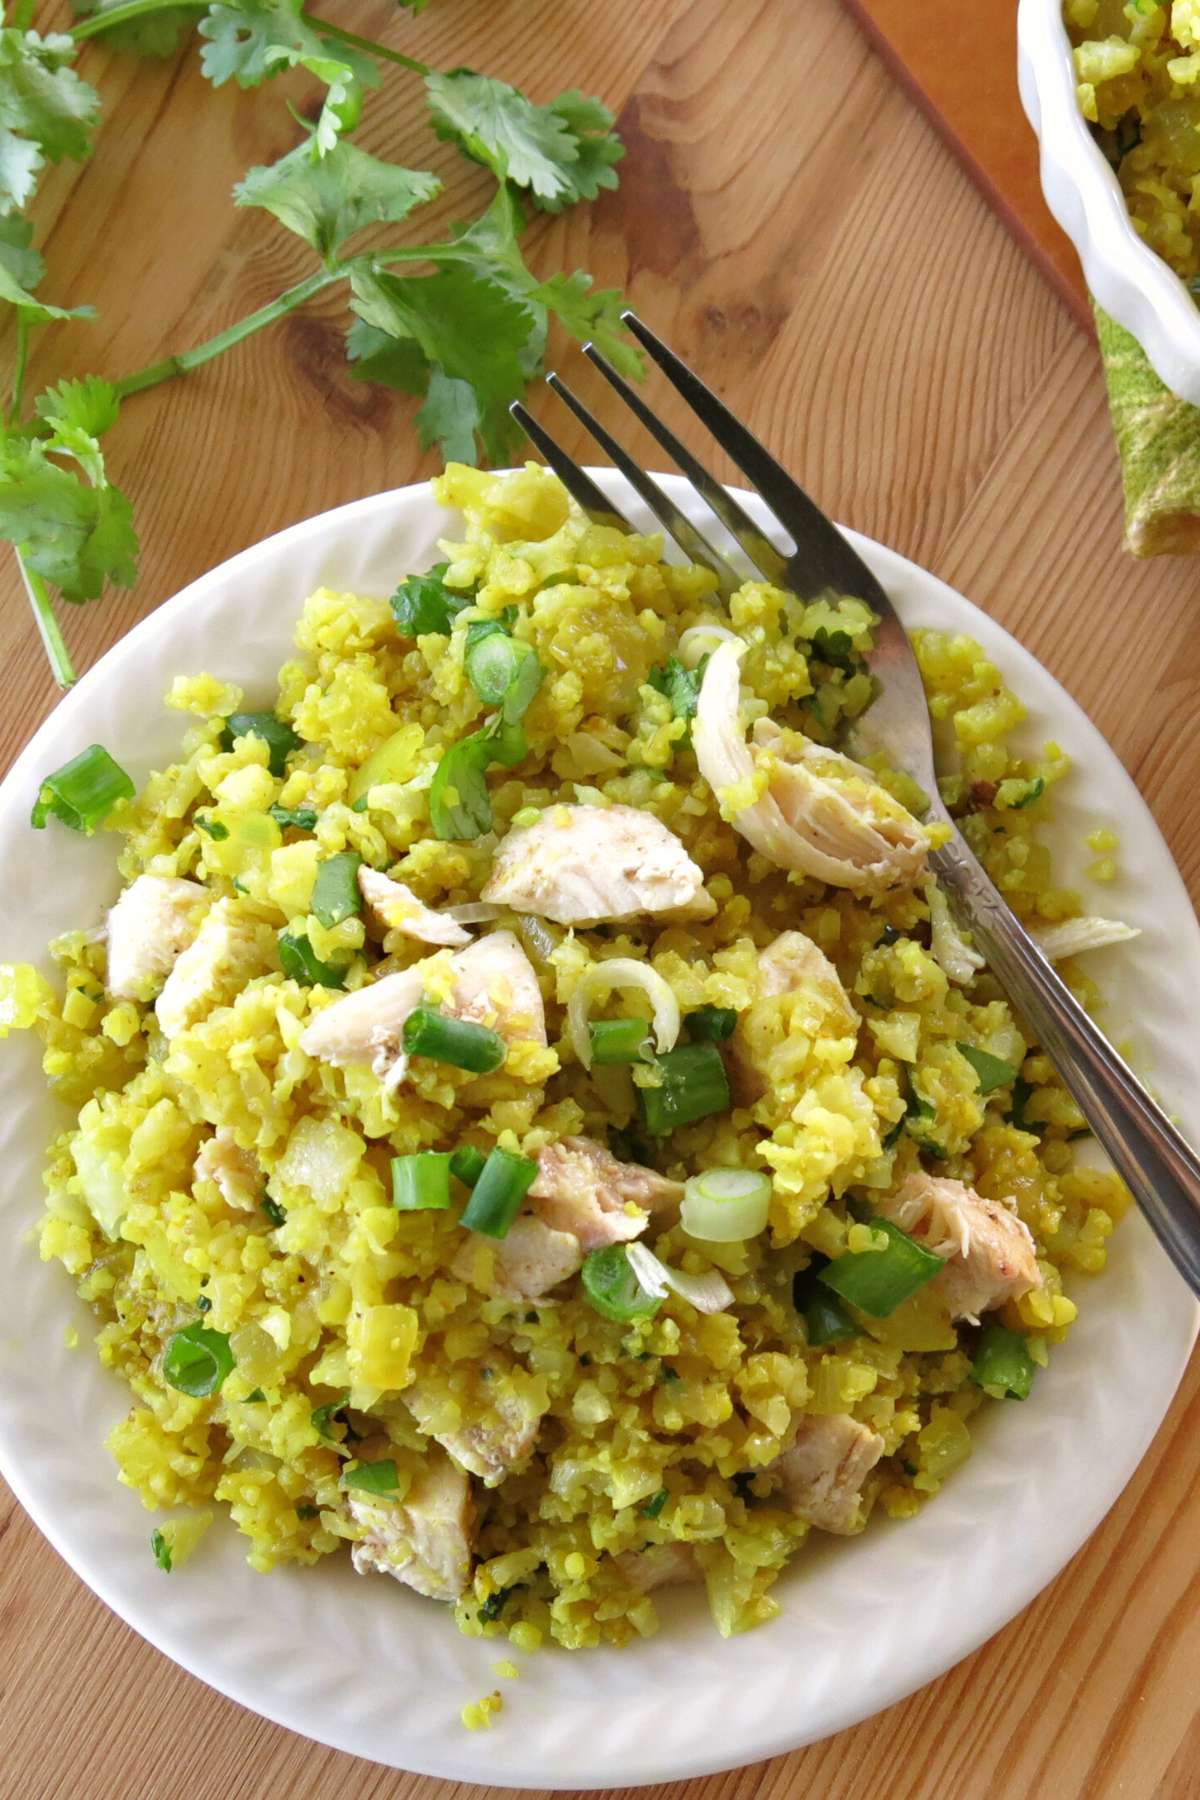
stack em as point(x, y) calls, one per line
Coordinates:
point(535, 1121)
point(1138, 70)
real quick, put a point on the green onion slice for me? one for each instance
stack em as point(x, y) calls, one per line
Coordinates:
point(83, 792)
point(1003, 1362)
point(613, 1289)
point(335, 894)
point(459, 1042)
point(651, 1508)
point(273, 1210)
point(373, 1477)
point(879, 1281)
point(826, 1320)
point(298, 818)
point(279, 738)
point(620, 1041)
point(726, 1206)
point(322, 1416)
point(694, 1085)
point(162, 1551)
point(467, 1163)
point(498, 1192)
point(197, 1360)
point(992, 1072)
point(421, 1183)
point(710, 1024)
point(212, 828)
point(299, 960)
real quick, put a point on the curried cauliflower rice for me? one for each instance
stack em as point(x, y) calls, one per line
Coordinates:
point(509, 909)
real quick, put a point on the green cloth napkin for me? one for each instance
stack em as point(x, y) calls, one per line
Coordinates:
point(1158, 441)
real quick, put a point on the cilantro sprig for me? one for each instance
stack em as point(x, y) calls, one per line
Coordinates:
point(461, 323)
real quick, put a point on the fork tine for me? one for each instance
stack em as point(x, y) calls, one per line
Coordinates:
point(737, 522)
point(595, 503)
point(826, 558)
point(692, 542)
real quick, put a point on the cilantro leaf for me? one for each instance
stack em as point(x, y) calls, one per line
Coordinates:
point(37, 312)
point(89, 405)
point(75, 535)
point(20, 162)
point(423, 604)
point(496, 125)
point(17, 258)
point(43, 102)
point(597, 148)
point(156, 34)
point(466, 325)
point(326, 199)
point(450, 418)
point(393, 362)
point(680, 685)
point(460, 806)
point(588, 315)
point(255, 39)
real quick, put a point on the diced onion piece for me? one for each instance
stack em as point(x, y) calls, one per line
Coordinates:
point(701, 640)
point(726, 1206)
point(622, 972)
point(1073, 936)
point(472, 912)
point(708, 1293)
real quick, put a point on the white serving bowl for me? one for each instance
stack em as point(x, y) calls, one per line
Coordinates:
point(1127, 278)
point(366, 1665)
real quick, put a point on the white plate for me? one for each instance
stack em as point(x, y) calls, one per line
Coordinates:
point(364, 1664)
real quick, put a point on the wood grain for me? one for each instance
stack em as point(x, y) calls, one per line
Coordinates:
point(791, 221)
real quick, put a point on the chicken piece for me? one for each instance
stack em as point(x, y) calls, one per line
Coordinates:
point(791, 964)
point(494, 984)
point(659, 1565)
point(1071, 937)
point(213, 970)
point(423, 1540)
point(525, 1264)
point(393, 907)
point(501, 1433)
point(579, 865)
point(818, 813)
point(235, 1171)
point(823, 1470)
point(152, 922)
point(990, 1255)
point(581, 1188)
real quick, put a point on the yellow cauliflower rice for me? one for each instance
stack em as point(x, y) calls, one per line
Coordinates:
point(537, 1128)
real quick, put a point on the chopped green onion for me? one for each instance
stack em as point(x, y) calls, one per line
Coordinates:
point(421, 1183)
point(372, 1477)
point(273, 1210)
point(879, 1281)
point(1003, 1361)
point(1022, 1094)
point(619, 1041)
point(279, 738)
point(322, 1415)
point(467, 1164)
point(307, 1512)
point(299, 960)
point(424, 606)
point(297, 818)
point(694, 1084)
point(725, 1206)
point(493, 662)
point(213, 828)
point(335, 894)
point(459, 1042)
point(197, 1360)
point(710, 1024)
point(493, 1606)
point(825, 1318)
point(162, 1551)
point(203, 1304)
point(613, 1288)
point(83, 792)
point(498, 1192)
point(651, 1508)
point(254, 1398)
point(991, 1071)
point(481, 628)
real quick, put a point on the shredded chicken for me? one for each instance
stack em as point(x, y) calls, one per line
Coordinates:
point(659, 1565)
point(1073, 936)
point(791, 964)
point(152, 922)
point(524, 1265)
point(582, 864)
point(212, 971)
point(990, 1255)
point(819, 813)
point(497, 1442)
point(391, 906)
point(494, 984)
point(235, 1171)
point(423, 1540)
point(824, 1468)
point(583, 1189)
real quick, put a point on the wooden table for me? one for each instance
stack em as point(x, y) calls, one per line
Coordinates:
point(792, 224)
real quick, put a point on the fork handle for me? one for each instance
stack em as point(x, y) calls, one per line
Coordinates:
point(1161, 1170)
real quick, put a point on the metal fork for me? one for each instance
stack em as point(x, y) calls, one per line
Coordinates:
point(1160, 1168)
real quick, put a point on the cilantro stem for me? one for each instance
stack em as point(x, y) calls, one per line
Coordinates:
point(21, 359)
point(186, 360)
point(47, 624)
point(97, 22)
point(368, 44)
